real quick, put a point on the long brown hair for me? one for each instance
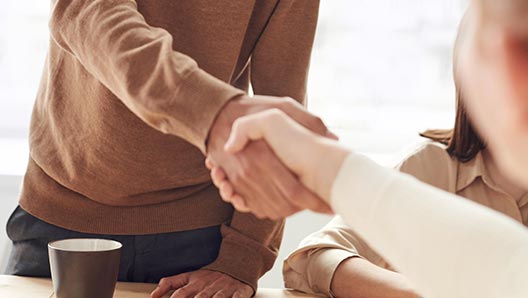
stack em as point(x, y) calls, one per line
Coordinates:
point(462, 141)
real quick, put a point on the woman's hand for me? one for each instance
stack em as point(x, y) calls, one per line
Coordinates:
point(314, 159)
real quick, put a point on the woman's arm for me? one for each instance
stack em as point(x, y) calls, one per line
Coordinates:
point(335, 261)
point(359, 278)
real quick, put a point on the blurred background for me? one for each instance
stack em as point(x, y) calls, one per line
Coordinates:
point(381, 72)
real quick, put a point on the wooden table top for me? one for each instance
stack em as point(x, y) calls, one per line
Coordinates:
point(24, 287)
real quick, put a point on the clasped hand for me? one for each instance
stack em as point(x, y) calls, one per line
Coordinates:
point(272, 164)
point(256, 175)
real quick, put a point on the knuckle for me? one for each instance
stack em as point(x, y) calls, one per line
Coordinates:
point(163, 281)
point(181, 292)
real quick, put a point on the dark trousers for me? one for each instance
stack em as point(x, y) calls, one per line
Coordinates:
point(144, 258)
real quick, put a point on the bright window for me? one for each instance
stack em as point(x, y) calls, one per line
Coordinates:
point(381, 70)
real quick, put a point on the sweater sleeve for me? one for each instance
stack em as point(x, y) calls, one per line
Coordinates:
point(446, 246)
point(137, 63)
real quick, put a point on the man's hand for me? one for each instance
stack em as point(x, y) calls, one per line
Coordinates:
point(256, 174)
point(202, 284)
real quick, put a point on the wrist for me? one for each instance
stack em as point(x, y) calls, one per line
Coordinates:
point(221, 126)
point(331, 157)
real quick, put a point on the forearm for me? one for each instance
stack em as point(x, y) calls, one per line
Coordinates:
point(359, 278)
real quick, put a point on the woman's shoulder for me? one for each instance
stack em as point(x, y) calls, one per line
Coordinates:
point(431, 163)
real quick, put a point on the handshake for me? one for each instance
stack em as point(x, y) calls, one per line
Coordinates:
point(271, 157)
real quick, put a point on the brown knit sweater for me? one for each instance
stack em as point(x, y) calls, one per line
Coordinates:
point(127, 97)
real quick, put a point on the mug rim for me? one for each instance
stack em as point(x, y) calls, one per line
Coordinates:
point(118, 245)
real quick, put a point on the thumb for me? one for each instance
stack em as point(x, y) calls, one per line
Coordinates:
point(245, 129)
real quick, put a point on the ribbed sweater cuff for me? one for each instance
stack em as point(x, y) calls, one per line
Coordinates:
point(243, 258)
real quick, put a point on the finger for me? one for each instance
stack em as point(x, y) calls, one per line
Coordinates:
point(250, 179)
point(268, 198)
point(217, 286)
point(244, 130)
point(242, 294)
point(257, 201)
point(329, 210)
point(208, 292)
point(254, 127)
point(267, 201)
point(306, 119)
point(226, 190)
point(223, 293)
point(239, 203)
point(218, 176)
point(332, 135)
point(169, 283)
point(186, 292)
point(209, 163)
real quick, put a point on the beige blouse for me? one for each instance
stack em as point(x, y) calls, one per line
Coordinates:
point(311, 267)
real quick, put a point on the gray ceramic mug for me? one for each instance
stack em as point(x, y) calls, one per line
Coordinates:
point(84, 268)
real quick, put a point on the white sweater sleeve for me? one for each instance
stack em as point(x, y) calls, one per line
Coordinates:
point(448, 246)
